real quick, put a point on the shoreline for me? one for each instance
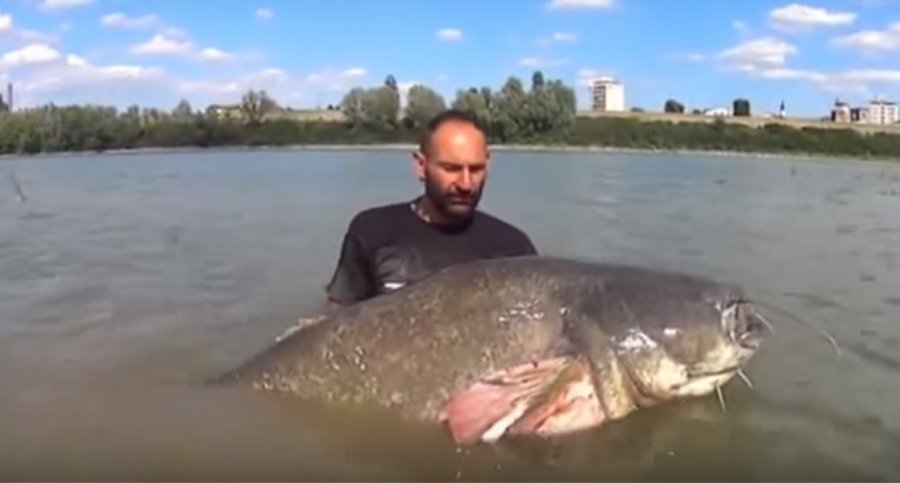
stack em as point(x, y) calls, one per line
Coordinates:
point(515, 148)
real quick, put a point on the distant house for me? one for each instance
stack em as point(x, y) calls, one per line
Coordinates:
point(717, 112)
point(882, 112)
point(841, 112)
point(607, 95)
point(223, 112)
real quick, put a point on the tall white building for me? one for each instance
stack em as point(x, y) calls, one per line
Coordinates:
point(883, 112)
point(607, 95)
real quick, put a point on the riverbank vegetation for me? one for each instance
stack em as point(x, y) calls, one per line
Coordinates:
point(541, 113)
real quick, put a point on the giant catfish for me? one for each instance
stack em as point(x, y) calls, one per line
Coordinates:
point(532, 345)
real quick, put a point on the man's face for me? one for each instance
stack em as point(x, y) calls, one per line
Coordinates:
point(455, 170)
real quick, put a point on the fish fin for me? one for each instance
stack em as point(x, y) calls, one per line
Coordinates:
point(572, 405)
point(487, 408)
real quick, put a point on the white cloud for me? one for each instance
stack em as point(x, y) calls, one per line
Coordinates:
point(174, 43)
point(322, 86)
point(872, 41)
point(695, 57)
point(33, 54)
point(63, 4)
point(71, 78)
point(759, 52)
point(214, 54)
point(580, 4)
point(558, 37)
point(337, 81)
point(799, 16)
point(6, 22)
point(741, 27)
point(123, 21)
point(9, 31)
point(839, 81)
point(449, 34)
point(162, 44)
point(264, 13)
point(537, 62)
point(564, 37)
point(52, 75)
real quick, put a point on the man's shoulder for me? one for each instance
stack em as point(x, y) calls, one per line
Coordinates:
point(380, 212)
point(377, 216)
point(503, 229)
point(496, 223)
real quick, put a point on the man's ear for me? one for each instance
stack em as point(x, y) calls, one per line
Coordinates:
point(419, 161)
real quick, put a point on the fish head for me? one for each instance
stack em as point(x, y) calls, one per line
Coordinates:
point(688, 345)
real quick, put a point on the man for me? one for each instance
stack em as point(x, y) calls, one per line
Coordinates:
point(390, 246)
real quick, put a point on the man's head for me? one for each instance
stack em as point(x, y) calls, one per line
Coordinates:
point(452, 162)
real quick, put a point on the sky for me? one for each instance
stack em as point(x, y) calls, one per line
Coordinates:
point(308, 53)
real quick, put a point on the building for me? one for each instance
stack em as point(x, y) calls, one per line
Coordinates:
point(883, 112)
point(607, 95)
point(859, 115)
point(717, 112)
point(840, 112)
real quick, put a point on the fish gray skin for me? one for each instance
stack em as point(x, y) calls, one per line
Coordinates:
point(530, 345)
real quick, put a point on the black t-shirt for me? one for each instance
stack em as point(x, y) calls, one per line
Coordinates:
point(390, 246)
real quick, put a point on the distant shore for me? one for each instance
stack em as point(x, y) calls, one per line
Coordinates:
point(499, 148)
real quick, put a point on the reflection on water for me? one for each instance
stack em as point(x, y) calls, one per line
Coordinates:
point(127, 281)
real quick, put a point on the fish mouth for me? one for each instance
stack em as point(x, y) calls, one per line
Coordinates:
point(548, 397)
point(730, 370)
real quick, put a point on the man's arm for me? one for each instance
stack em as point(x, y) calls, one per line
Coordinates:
point(351, 281)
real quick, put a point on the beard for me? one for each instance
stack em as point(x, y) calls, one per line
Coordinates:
point(455, 206)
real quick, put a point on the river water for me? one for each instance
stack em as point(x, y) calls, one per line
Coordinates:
point(127, 280)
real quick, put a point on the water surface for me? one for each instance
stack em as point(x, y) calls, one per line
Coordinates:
point(125, 281)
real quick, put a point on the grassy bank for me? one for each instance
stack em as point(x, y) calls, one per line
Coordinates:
point(118, 134)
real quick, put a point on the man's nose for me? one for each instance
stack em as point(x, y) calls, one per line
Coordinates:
point(464, 182)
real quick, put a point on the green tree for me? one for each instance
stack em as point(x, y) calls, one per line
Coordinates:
point(674, 107)
point(182, 111)
point(741, 107)
point(255, 105)
point(422, 103)
point(352, 106)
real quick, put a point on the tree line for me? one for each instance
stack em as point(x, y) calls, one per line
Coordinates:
point(542, 111)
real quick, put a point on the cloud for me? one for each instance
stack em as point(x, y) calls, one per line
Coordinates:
point(537, 62)
point(558, 37)
point(767, 58)
point(214, 54)
point(564, 37)
point(33, 54)
point(19, 36)
point(49, 5)
point(872, 41)
point(74, 72)
point(580, 4)
point(760, 52)
point(797, 16)
point(741, 28)
point(122, 21)
point(264, 13)
point(47, 75)
point(326, 85)
point(450, 34)
point(176, 44)
point(860, 80)
point(162, 44)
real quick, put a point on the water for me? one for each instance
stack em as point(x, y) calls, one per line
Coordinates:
point(125, 281)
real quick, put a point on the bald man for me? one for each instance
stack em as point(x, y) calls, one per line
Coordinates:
point(387, 247)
